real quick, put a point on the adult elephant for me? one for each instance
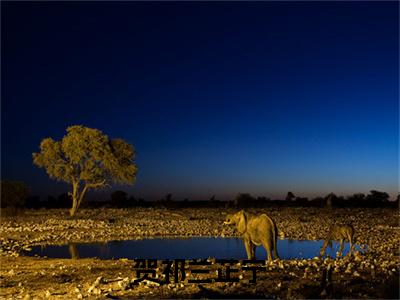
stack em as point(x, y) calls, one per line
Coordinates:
point(255, 231)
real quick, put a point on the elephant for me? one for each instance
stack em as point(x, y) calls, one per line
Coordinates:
point(255, 231)
point(338, 233)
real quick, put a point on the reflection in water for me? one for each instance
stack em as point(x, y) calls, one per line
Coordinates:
point(73, 251)
point(165, 248)
point(104, 249)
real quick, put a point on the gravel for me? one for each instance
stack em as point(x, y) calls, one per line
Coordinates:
point(378, 229)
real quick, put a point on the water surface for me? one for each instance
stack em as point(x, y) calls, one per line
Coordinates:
point(183, 248)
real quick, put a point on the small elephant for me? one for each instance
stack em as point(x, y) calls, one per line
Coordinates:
point(255, 231)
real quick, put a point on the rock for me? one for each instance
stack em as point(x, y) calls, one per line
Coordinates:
point(151, 283)
point(124, 283)
point(98, 281)
point(93, 289)
point(356, 274)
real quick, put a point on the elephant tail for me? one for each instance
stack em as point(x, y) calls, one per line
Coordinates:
point(275, 235)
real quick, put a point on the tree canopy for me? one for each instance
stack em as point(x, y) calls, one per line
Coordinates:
point(87, 159)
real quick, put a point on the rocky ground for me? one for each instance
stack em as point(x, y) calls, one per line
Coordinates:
point(372, 274)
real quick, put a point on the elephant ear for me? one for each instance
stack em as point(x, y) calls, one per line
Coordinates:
point(242, 224)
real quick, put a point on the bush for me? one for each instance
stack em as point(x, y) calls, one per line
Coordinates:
point(13, 195)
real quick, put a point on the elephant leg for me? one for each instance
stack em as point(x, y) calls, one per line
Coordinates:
point(351, 246)
point(248, 246)
point(323, 249)
point(276, 250)
point(267, 245)
point(341, 248)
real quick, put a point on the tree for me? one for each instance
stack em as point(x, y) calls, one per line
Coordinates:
point(167, 198)
point(33, 202)
point(263, 201)
point(119, 199)
point(87, 159)
point(132, 202)
point(244, 200)
point(301, 201)
point(356, 199)
point(290, 196)
point(13, 193)
point(380, 196)
point(377, 198)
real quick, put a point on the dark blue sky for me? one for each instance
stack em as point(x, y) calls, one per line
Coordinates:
point(217, 98)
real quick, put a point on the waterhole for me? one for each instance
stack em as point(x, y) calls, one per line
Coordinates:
point(183, 248)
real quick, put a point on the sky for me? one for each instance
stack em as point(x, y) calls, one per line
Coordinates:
point(217, 98)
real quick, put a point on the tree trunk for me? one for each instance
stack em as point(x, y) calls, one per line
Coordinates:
point(74, 208)
point(75, 201)
point(80, 198)
point(77, 198)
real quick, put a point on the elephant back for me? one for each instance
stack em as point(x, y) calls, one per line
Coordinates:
point(269, 220)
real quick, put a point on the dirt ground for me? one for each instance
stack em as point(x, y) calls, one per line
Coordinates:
point(371, 274)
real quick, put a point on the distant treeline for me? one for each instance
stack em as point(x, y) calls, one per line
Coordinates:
point(245, 200)
point(16, 195)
